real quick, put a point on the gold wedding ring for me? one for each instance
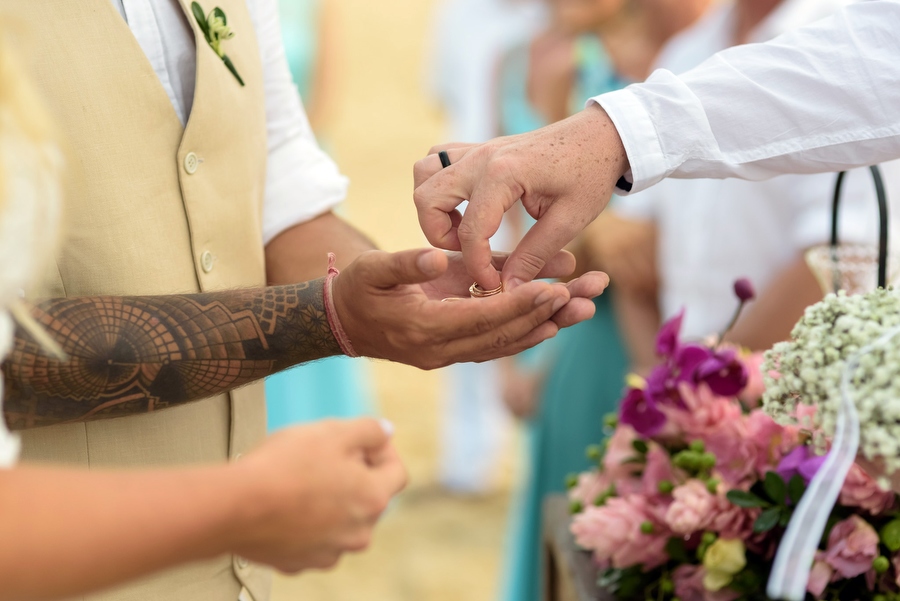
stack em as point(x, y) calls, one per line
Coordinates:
point(477, 291)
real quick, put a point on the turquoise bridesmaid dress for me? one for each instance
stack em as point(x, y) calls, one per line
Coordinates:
point(338, 386)
point(585, 364)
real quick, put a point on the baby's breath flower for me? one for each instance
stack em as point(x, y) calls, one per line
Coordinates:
point(810, 367)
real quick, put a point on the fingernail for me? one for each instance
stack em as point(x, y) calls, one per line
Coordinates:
point(513, 282)
point(559, 304)
point(386, 425)
point(427, 261)
point(543, 297)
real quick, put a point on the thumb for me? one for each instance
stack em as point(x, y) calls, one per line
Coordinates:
point(368, 435)
point(385, 270)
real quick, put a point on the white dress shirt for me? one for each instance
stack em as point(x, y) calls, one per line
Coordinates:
point(713, 231)
point(302, 182)
point(825, 97)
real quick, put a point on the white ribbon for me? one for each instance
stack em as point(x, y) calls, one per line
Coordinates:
point(793, 562)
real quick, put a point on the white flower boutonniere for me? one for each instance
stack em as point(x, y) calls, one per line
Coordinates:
point(216, 30)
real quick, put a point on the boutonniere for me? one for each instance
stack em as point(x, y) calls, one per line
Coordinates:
point(216, 30)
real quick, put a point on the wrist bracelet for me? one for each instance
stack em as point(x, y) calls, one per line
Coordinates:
point(331, 311)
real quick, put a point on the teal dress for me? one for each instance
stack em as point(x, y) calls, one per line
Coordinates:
point(338, 386)
point(585, 364)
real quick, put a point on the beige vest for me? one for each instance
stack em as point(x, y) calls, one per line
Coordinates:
point(143, 217)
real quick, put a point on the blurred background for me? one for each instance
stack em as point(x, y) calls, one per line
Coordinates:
point(431, 545)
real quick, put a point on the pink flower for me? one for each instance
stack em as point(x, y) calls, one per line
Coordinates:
point(688, 581)
point(613, 533)
point(819, 576)
point(590, 486)
point(861, 490)
point(706, 413)
point(619, 450)
point(752, 393)
point(772, 441)
point(852, 546)
point(658, 468)
point(731, 521)
point(692, 508)
point(736, 455)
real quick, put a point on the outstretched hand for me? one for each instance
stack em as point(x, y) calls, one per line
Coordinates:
point(391, 307)
point(564, 175)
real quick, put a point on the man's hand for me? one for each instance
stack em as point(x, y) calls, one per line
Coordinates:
point(316, 492)
point(564, 175)
point(391, 308)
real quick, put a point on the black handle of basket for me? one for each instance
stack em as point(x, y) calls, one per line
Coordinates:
point(882, 223)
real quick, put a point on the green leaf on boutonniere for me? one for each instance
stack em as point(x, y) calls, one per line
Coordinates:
point(201, 20)
point(231, 68)
point(215, 29)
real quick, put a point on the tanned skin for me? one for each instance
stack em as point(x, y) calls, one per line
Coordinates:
point(131, 355)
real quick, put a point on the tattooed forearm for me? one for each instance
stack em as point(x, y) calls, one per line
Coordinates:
point(138, 354)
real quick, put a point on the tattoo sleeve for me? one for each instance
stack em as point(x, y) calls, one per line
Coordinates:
point(137, 354)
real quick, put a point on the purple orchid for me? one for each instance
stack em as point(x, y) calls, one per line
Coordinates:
point(663, 381)
point(641, 413)
point(667, 338)
point(723, 372)
point(802, 462)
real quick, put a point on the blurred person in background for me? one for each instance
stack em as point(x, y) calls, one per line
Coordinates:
point(567, 386)
point(337, 386)
point(469, 38)
point(712, 232)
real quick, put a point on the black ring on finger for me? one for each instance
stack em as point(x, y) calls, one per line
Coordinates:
point(445, 159)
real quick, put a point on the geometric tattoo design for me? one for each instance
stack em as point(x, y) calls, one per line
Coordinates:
point(132, 355)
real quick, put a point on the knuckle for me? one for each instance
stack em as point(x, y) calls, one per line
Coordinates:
point(483, 324)
point(420, 198)
point(466, 230)
point(500, 341)
point(531, 261)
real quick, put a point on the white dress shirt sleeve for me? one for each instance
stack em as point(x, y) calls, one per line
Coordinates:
point(821, 98)
point(302, 182)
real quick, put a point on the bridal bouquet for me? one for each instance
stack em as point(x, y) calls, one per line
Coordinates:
point(696, 484)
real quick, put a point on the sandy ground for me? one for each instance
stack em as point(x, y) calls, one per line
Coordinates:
point(430, 546)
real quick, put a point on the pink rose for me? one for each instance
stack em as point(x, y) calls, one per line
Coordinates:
point(861, 490)
point(819, 576)
point(752, 393)
point(852, 546)
point(692, 508)
point(688, 581)
point(590, 486)
point(613, 533)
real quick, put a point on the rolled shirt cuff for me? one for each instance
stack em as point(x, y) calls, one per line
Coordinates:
point(302, 182)
point(638, 133)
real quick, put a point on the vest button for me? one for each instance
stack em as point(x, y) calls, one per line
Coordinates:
point(241, 562)
point(206, 261)
point(191, 163)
